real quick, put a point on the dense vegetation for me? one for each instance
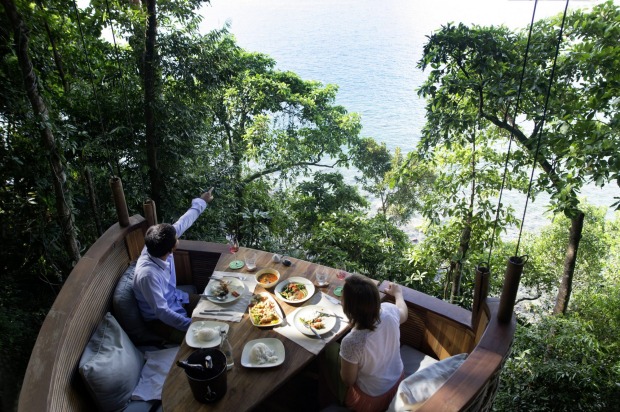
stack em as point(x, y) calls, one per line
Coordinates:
point(171, 111)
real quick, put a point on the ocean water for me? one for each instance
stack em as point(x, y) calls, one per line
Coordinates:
point(370, 50)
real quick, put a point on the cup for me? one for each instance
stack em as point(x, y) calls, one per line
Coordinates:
point(250, 261)
point(210, 385)
point(321, 278)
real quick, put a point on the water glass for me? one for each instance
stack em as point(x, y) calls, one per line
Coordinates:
point(321, 278)
point(250, 261)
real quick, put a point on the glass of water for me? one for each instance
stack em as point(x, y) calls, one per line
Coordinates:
point(250, 261)
point(321, 278)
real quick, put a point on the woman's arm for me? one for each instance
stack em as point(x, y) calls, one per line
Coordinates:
point(396, 291)
point(348, 372)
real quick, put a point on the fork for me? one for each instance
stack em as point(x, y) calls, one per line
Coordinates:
point(313, 331)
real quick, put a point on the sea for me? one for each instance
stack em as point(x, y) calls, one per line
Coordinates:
point(370, 49)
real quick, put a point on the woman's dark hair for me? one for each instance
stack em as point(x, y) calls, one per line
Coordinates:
point(361, 302)
point(160, 239)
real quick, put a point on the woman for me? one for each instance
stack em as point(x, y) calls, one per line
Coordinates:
point(370, 362)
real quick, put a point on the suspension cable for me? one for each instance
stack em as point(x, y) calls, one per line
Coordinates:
point(514, 117)
point(542, 122)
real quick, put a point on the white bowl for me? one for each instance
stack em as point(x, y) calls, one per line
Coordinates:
point(266, 271)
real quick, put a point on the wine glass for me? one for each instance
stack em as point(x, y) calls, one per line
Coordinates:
point(342, 274)
point(233, 244)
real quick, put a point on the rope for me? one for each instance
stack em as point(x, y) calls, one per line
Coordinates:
point(501, 191)
point(542, 122)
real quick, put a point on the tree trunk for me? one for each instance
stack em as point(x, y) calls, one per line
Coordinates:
point(93, 200)
point(465, 233)
point(63, 196)
point(150, 94)
point(570, 259)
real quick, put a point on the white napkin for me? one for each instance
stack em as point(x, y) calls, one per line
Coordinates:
point(312, 343)
point(233, 310)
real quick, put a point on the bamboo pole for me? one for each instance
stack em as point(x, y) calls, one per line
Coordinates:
point(481, 292)
point(514, 269)
point(150, 212)
point(119, 201)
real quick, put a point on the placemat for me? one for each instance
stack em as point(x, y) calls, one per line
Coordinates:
point(312, 343)
point(227, 312)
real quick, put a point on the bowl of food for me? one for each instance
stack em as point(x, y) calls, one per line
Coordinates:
point(267, 278)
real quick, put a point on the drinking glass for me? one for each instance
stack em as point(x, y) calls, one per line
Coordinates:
point(233, 244)
point(321, 278)
point(250, 261)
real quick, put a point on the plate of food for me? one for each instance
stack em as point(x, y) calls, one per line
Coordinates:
point(295, 290)
point(262, 353)
point(205, 333)
point(314, 317)
point(264, 311)
point(224, 290)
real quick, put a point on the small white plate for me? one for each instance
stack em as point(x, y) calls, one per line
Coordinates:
point(194, 342)
point(267, 298)
point(295, 279)
point(234, 285)
point(273, 344)
point(310, 312)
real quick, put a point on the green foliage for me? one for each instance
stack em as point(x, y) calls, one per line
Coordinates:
point(558, 364)
point(573, 362)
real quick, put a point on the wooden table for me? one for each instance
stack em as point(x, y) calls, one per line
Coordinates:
point(247, 387)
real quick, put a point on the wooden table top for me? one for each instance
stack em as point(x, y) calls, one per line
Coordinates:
point(247, 387)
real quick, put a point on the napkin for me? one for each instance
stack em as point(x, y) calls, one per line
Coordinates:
point(312, 343)
point(232, 311)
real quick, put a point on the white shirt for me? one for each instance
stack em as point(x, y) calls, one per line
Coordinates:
point(376, 353)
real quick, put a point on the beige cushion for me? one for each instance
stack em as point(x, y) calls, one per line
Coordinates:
point(414, 360)
point(423, 384)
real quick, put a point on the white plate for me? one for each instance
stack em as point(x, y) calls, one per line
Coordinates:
point(309, 288)
point(310, 312)
point(194, 342)
point(276, 308)
point(234, 284)
point(273, 344)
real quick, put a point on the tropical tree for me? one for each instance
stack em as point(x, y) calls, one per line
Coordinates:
point(479, 70)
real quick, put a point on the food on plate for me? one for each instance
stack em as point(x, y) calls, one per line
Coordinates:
point(261, 354)
point(267, 278)
point(206, 334)
point(220, 288)
point(294, 291)
point(263, 311)
point(316, 322)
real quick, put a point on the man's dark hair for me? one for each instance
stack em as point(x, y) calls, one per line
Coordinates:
point(160, 239)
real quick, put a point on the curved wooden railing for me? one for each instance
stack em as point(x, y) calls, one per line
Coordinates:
point(51, 382)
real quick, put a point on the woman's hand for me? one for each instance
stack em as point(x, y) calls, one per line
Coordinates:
point(394, 289)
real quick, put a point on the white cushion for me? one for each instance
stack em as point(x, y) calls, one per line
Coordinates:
point(110, 365)
point(423, 384)
point(153, 375)
point(414, 360)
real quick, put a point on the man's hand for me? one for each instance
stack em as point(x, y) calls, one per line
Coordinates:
point(207, 196)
